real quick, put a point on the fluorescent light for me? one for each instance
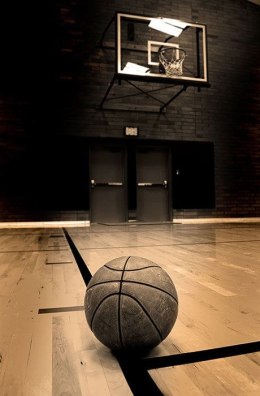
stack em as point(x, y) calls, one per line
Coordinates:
point(173, 27)
point(134, 68)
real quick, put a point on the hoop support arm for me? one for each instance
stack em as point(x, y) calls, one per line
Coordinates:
point(106, 29)
point(172, 98)
point(107, 91)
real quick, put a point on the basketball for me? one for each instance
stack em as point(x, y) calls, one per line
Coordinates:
point(131, 304)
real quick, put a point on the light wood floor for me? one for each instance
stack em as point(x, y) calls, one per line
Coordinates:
point(46, 347)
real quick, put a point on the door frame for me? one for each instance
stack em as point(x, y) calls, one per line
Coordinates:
point(163, 146)
point(109, 145)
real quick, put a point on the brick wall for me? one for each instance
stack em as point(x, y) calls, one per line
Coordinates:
point(54, 76)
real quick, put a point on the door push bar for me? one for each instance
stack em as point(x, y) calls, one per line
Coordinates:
point(94, 184)
point(164, 184)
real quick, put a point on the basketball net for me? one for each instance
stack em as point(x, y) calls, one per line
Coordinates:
point(172, 59)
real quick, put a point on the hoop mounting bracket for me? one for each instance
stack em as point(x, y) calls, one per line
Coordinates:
point(140, 91)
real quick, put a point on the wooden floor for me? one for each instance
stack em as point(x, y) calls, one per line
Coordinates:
point(46, 347)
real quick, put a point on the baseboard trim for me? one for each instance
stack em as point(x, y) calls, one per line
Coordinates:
point(44, 224)
point(218, 220)
point(86, 223)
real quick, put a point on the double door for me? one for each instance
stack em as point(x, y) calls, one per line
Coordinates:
point(152, 183)
point(108, 190)
point(114, 180)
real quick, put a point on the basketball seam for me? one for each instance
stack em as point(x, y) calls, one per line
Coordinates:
point(102, 283)
point(136, 282)
point(119, 323)
point(154, 287)
point(145, 311)
point(119, 303)
point(96, 309)
point(129, 270)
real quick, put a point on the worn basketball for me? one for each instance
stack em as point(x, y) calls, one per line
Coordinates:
point(131, 304)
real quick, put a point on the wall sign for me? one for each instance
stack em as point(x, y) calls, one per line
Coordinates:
point(131, 131)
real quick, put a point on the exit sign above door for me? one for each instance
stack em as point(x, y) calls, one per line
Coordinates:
point(131, 131)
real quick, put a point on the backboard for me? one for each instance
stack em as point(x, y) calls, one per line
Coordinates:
point(142, 41)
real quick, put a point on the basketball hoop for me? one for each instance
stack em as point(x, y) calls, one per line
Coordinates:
point(171, 60)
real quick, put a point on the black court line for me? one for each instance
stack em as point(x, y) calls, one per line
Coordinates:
point(85, 273)
point(34, 251)
point(137, 377)
point(173, 244)
point(141, 383)
point(29, 234)
point(115, 232)
point(181, 226)
point(135, 368)
point(58, 262)
point(56, 246)
point(60, 309)
point(131, 224)
point(201, 356)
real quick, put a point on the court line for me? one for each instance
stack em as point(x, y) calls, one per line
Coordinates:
point(85, 273)
point(141, 383)
point(139, 380)
point(60, 309)
point(201, 356)
point(58, 262)
point(133, 228)
point(172, 244)
point(34, 251)
point(135, 369)
point(32, 235)
point(135, 224)
point(56, 246)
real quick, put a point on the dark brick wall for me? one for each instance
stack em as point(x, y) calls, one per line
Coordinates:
point(54, 75)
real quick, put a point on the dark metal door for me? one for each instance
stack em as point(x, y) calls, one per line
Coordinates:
point(108, 199)
point(152, 168)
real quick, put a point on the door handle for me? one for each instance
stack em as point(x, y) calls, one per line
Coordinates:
point(115, 184)
point(94, 184)
point(144, 184)
point(164, 184)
